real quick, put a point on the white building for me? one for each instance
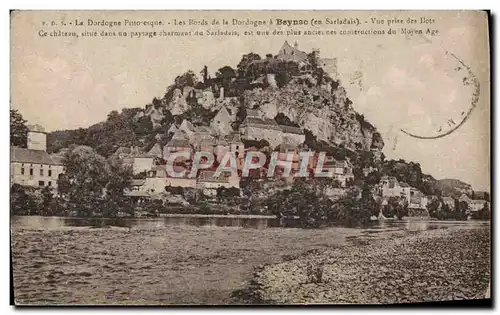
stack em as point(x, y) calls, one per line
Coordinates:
point(32, 166)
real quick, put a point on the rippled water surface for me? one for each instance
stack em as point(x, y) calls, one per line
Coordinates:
point(172, 260)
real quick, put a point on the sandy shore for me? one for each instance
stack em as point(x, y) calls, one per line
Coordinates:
point(437, 265)
point(207, 265)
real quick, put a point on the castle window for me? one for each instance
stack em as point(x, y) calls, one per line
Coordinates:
point(22, 170)
point(41, 172)
point(50, 184)
point(31, 171)
point(41, 183)
point(50, 172)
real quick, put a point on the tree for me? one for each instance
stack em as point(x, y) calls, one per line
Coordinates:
point(22, 203)
point(204, 73)
point(92, 185)
point(245, 62)
point(302, 201)
point(225, 73)
point(433, 207)
point(18, 129)
point(395, 207)
point(186, 79)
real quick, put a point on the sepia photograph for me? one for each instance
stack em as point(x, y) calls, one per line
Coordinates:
point(181, 158)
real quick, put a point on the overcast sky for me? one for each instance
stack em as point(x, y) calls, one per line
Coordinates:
point(408, 83)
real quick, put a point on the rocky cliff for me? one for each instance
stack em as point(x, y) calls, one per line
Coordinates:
point(325, 110)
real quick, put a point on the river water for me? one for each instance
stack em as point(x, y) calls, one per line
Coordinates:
point(257, 222)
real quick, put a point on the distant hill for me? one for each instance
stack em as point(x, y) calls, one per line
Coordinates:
point(454, 187)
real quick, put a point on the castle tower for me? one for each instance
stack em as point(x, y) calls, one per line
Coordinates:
point(37, 138)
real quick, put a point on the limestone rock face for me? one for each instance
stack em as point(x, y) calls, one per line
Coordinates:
point(325, 111)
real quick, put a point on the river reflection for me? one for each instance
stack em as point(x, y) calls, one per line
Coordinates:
point(38, 222)
point(256, 222)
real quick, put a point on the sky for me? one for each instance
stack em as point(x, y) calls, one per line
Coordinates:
point(408, 82)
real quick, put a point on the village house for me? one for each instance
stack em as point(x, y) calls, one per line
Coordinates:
point(187, 127)
point(230, 143)
point(207, 98)
point(290, 153)
point(255, 127)
point(221, 123)
point(473, 205)
point(137, 189)
point(292, 134)
point(184, 181)
point(178, 143)
point(390, 186)
point(173, 129)
point(155, 114)
point(368, 170)
point(156, 151)
point(450, 202)
point(33, 166)
point(342, 171)
point(416, 199)
point(476, 205)
point(143, 163)
point(203, 139)
point(208, 183)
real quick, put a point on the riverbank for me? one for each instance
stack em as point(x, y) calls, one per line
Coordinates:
point(433, 265)
point(179, 264)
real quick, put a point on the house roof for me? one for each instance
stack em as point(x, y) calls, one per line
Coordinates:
point(144, 156)
point(233, 137)
point(208, 176)
point(122, 150)
point(57, 158)
point(222, 141)
point(290, 129)
point(286, 145)
point(155, 150)
point(223, 112)
point(178, 142)
point(259, 80)
point(135, 193)
point(36, 128)
point(173, 128)
point(204, 130)
point(186, 124)
point(253, 113)
point(480, 194)
point(137, 182)
point(23, 155)
point(263, 123)
point(478, 201)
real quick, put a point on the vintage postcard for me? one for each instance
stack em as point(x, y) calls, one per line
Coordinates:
point(250, 157)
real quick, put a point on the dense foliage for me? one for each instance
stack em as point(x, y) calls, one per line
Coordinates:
point(92, 185)
point(313, 208)
point(18, 129)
